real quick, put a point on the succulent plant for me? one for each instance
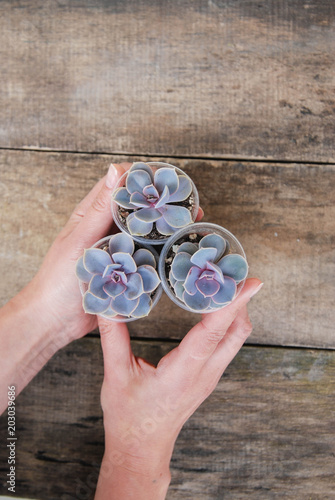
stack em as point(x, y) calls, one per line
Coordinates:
point(204, 275)
point(154, 198)
point(120, 281)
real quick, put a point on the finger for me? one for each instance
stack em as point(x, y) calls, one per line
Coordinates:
point(80, 210)
point(116, 348)
point(82, 207)
point(203, 339)
point(98, 219)
point(200, 214)
point(228, 347)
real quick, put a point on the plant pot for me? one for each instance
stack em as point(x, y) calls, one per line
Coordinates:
point(202, 281)
point(154, 296)
point(154, 202)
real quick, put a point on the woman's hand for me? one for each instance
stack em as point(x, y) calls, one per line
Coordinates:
point(145, 407)
point(55, 287)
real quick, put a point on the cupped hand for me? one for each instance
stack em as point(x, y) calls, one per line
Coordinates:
point(54, 291)
point(145, 406)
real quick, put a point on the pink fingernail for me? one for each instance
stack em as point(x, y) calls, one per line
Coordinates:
point(111, 174)
point(256, 290)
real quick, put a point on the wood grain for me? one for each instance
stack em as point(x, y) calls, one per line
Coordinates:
point(265, 433)
point(194, 77)
point(282, 214)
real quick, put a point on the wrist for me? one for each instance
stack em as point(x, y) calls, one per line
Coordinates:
point(26, 339)
point(126, 476)
point(30, 306)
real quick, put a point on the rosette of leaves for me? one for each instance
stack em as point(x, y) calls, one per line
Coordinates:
point(204, 275)
point(152, 198)
point(120, 280)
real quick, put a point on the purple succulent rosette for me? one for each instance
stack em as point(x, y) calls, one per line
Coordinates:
point(204, 276)
point(153, 197)
point(120, 281)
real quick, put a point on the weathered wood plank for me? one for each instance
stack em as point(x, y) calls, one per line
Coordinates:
point(223, 79)
point(265, 433)
point(282, 214)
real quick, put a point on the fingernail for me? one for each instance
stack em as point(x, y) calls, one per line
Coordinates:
point(111, 175)
point(256, 290)
point(201, 213)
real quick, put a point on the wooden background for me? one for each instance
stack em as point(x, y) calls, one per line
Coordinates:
point(241, 95)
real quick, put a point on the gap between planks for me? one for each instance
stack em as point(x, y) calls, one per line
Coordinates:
point(256, 159)
point(158, 340)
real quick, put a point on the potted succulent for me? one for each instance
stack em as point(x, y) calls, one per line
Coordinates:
point(118, 279)
point(153, 200)
point(203, 267)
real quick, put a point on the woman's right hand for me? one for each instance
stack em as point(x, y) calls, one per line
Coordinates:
point(145, 407)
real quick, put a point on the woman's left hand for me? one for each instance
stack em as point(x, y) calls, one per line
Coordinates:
point(54, 291)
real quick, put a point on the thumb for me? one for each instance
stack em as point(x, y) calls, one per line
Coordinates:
point(98, 219)
point(116, 348)
point(203, 339)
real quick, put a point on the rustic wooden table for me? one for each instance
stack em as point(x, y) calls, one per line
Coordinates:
point(240, 95)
